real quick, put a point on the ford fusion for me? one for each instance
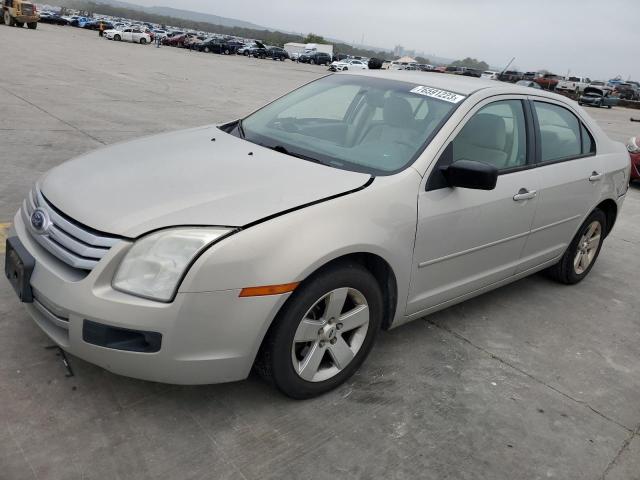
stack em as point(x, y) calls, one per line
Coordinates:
point(287, 240)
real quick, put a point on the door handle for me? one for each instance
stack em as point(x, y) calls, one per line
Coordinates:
point(595, 176)
point(525, 194)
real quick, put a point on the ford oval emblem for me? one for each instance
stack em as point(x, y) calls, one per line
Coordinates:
point(40, 221)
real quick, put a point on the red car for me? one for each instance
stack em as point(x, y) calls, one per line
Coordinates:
point(633, 145)
point(548, 81)
point(175, 41)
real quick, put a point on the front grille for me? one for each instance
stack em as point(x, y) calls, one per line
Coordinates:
point(74, 244)
point(27, 9)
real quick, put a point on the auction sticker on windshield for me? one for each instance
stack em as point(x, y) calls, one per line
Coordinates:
point(437, 93)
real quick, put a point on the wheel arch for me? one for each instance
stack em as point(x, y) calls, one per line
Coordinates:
point(610, 209)
point(381, 271)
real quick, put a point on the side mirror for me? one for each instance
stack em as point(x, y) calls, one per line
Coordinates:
point(471, 174)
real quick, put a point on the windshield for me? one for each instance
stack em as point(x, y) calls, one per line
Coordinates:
point(359, 123)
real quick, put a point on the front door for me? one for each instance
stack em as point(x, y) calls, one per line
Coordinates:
point(468, 239)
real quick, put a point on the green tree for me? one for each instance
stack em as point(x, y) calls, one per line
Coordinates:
point(423, 60)
point(313, 38)
point(471, 63)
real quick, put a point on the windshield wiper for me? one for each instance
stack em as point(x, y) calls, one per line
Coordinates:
point(281, 149)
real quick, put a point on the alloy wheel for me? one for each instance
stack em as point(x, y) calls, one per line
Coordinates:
point(587, 247)
point(330, 334)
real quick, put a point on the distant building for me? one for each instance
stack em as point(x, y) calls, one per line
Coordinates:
point(398, 51)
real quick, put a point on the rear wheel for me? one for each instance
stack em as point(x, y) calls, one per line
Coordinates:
point(580, 256)
point(143, 41)
point(226, 51)
point(8, 19)
point(32, 25)
point(324, 332)
point(207, 50)
point(312, 61)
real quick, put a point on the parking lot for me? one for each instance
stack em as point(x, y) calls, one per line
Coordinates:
point(534, 380)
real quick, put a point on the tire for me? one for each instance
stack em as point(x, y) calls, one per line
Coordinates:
point(32, 25)
point(312, 61)
point(245, 53)
point(282, 59)
point(117, 38)
point(566, 271)
point(609, 106)
point(207, 50)
point(345, 69)
point(226, 52)
point(143, 41)
point(281, 356)
point(19, 24)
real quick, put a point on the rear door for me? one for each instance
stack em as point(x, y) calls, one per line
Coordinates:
point(571, 175)
point(469, 239)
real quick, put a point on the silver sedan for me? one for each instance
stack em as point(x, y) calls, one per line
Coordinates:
point(287, 240)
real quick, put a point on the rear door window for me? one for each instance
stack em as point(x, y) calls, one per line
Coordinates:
point(560, 136)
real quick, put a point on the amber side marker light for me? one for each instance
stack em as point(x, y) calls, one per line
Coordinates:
point(268, 290)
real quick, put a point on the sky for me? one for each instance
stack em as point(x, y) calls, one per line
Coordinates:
point(594, 38)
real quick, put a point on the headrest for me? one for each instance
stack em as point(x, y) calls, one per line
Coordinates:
point(375, 98)
point(485, 130)
point(397, 112)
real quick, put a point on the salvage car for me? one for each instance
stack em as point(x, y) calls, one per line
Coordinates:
point(315, 58)
point(288, 239)
point(277, 53)
point(597, 97)
point(348, 64)
point(53, 18)
point(548, 81)
point(128, 35)
point(218, 45)
point(633, 146)
point(573, 84)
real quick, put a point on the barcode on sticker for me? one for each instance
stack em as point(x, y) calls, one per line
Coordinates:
point(439, 94)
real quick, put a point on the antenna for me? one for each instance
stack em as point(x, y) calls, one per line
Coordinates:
point(505, 68)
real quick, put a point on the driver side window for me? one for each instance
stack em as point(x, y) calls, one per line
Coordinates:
point(496, 135)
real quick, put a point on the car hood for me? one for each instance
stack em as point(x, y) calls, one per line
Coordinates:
point(187, 178)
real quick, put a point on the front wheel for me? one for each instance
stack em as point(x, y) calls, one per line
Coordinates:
point(324, 332)
point(143, 41)
point(580, 256)
point(32, 25)
point(312, 61)
point(117, 38)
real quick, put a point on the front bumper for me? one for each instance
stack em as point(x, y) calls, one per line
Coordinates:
point(207, 337)
point(27, 18)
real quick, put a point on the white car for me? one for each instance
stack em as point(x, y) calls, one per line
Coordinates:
point(134, 35)
point(349, 64)
point(291, 240)
point(490, 75)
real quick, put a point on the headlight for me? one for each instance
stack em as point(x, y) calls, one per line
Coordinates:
point(154, 266)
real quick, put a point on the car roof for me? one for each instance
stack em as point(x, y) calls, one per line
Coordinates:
point(455, 83)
